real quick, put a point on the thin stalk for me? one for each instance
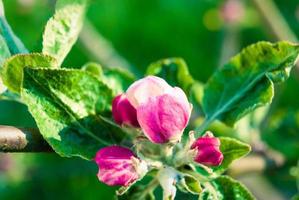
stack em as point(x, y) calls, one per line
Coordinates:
point(150, 187)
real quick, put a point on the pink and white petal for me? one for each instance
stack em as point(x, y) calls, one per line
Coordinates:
point(180, 96)
point(120, 172)
point(116, 166)
point(151, 86)
point(147, 115)
point(173, 117)
point(115, 110)
point(163, 119)
point(113, 152)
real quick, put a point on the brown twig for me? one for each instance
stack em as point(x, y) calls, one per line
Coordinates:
point(14, 139)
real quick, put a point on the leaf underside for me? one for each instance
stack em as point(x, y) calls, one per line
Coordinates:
point(246, 82)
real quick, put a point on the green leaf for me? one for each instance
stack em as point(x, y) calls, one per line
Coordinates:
point(12, 71)
point(68, 107)
point(118, 80)
point(281, 133)
point(232, 149)
point(4, 51)
point(191, 184)
point(225, 188)
point(260, 95)
point(246, 82)
point(13, 42)
point(174, 71)
point(195, 97)
point(62, 30)
point(93, 68)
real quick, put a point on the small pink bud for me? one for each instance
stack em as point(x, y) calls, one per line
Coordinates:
point(117, 166)
point(163, 111)
point(232, 11)
point(123, 112)
point(208, 151)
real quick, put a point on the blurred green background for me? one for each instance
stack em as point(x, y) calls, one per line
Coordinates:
point(203, 32)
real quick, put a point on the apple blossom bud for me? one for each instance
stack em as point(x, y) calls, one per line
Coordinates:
point(163, 111)
point(118, 166)
point(208, 151)
point(123, 112)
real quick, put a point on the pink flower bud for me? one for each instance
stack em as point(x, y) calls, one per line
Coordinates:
point(232, 11)
point(123, 112)
point(117, 166)
point(151, 86)
point(208, 151)
point(163, 111)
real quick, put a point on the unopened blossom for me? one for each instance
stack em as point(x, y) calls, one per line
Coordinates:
point(123, 112)
point(208, 150)
point(119, 166)
point(163, 111)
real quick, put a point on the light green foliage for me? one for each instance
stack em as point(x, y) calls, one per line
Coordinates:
point(68, 107)
point(118, 80)
point(225, 188)
point(246, 82)
point(174, 71)
point(12, 71)
point(63, 28)
point(93, 68)
point(4, 51)
point(190, 184)
point(232, 149)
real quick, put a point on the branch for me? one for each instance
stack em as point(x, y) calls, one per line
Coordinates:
point(14, 139)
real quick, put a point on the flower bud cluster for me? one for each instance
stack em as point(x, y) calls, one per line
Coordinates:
point(162, 113)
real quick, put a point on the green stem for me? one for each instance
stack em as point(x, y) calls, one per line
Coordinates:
point(150, 187)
